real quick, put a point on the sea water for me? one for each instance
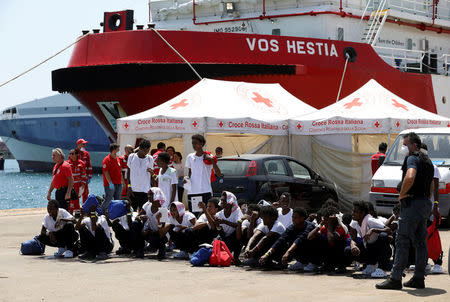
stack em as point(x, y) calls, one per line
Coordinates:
point(29, 190)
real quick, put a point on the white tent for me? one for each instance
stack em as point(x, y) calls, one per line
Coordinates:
point(340, 136)
point(258, 111)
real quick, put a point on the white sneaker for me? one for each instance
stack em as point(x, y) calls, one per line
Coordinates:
point(296, 266)
point(412, 267)
point(60, 252)
point(310, 267)
point(181, 255)
point(378, 273)
point(437, 269)
point(357, 266)
point(370, 268)
point(68, 254)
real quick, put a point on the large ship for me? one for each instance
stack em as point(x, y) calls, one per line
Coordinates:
point(31, 130)
point(320, 51)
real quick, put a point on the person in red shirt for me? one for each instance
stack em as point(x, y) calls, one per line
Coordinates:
point(378, 158)
point(112, 176)
point(62, 179)
point(79, 178)
point(86, 158)
point(123, 164)
point(161, 148)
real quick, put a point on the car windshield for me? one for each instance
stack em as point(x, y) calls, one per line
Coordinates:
point(438, 149)
point(232, 167)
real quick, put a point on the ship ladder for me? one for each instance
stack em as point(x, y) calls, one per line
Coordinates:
point(375, 24)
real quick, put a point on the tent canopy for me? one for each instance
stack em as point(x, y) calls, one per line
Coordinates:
point(220, 107)
point(370, 109)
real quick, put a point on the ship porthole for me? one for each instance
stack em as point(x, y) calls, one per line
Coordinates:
point(114, 21)
point(444, 100)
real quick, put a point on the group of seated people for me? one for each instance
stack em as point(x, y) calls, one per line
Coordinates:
point(267, 235)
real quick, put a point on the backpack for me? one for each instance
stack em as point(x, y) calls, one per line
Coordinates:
point(434, 240)
point(116, 208)
point(32, 247)
point(201, 257)
point(221, 255)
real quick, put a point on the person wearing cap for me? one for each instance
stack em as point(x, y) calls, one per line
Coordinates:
point(86, 158)
point(62, 180)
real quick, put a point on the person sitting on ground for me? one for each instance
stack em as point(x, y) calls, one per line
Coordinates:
point(284, 211)
point(95, 235)
point(124, 230)
point(205, 226)
point(179, 227)
point(151, 220)
point(264, 236)
point(248, 223)
point(243, 204)
point(374, 248)
point(58, 230)
point(292, 244)
point(167, 179)
point(374, 213)
point(227, 220)
point(328, 241)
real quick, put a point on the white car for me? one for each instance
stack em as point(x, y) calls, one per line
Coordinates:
point(383, 191)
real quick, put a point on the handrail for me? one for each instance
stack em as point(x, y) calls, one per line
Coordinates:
point(365, 10)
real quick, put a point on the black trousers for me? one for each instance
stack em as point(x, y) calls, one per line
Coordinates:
point(65, 237)
point(184, 240)
point(324, 253)
point(60, 197)
point(233, 244)
point(128, 239)
point(303, 252)
point(95, 244)
point(205, 235)
point(266, 245)
point(138, 199)
point(377, 252)
point(142, 236)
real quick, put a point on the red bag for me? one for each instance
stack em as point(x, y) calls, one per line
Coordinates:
point(434, 240)
point(221, 255)
point(209, 162)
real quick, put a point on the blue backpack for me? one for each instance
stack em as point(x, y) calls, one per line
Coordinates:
point(91, 200)
point(116, 208)
point(32, 247)
point(201, 257)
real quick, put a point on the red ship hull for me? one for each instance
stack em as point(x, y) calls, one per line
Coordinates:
point(138, 69)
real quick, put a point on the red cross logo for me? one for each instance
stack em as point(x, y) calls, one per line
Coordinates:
point(259, 99)
point(220, 124)
point(195, 124)
point(397, 124)
point(398, 105)
point(181, 103)
point(299, 126)
point(448, 124)
point(377, 124)
point(126, 125)
point(353, 104)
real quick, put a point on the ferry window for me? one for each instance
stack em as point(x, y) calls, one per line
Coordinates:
point(276, 31)
point(14, 111)
point(79, 107)
point(78, 124)
point(45, 108)
point(56, 124)
point(72, 124)
point(340, 34)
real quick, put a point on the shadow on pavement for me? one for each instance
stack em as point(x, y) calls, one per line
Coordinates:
point(426, 292)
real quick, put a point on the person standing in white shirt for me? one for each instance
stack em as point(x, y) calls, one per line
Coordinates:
point(58, 230)
point(200, 165)
point(178, 165)
point(140, 172)
point(167, 179)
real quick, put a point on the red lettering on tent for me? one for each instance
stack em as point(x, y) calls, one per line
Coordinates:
point(398, 105)
point(259, 99)
point(353, 104)
point(182, 103)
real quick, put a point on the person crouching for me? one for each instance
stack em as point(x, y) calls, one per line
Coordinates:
point(58, 230)
point(95, 235)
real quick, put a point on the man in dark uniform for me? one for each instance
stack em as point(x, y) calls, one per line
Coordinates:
point(414, 201)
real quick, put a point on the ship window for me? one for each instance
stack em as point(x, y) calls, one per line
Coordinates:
point(340, 34)
point(56, 124)
point(67, 108)
point(409, 44)
point(72, 124)
point(276, 32)
point(45, 108)
point(79, 107)
point(230, 7)
point(444, 100)
point(78, 124)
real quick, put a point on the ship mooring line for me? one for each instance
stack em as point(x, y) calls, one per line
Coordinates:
point(173, 48)
point(39, 64)
point(342, 78)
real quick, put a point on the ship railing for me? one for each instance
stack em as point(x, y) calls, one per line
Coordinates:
point(413, 60)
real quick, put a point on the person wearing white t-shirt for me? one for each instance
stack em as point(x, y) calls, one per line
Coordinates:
point(167, 179)
point(58, 230)
point(248, 223)
point(284, 211)
point(375, 247)
point(228, 219)
point(264, 236)
point(140, 166)
point(180, 230)
point(200, 165)
point(205, 227)
point(95, 235)
point(152, 219)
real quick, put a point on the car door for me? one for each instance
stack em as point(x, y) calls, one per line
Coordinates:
point(278, 178)
point(303, 187)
